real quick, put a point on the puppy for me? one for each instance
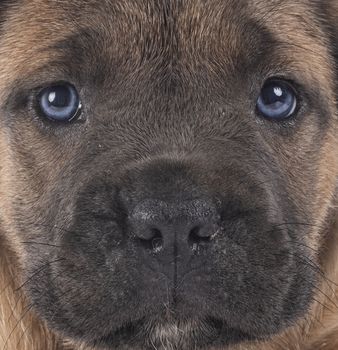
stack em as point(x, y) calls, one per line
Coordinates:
point(168, 175)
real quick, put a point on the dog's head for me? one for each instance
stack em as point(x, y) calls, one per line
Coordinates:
point(168, 168)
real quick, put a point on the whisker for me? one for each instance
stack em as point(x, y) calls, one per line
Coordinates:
point(38, 271)
point(21, 296)
point(41, 243)
point(299, 224)
point(24, 332)
point(29, 307)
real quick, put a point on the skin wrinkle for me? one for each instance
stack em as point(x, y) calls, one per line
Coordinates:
point(168, 92)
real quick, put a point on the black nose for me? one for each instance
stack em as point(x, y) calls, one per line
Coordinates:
point(158, 224)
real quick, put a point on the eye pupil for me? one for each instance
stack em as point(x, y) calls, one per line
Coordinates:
point(274, 96)
point(59, 98)
point(59, 102)
point(277, 100)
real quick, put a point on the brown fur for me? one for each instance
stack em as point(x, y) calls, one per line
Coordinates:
point(19, 327)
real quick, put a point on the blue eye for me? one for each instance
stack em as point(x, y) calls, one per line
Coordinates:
point(60, 102)
point(277, 100)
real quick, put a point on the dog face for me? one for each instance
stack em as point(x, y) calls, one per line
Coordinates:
point(168, 168)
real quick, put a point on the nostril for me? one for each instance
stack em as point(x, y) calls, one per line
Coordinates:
point(154, 242)
point(157, 225)
point(198, 235)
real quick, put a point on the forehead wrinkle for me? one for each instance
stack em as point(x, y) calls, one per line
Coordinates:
point(83, 55)
point(236, 45)
point(219, 32)
point(25, 52)
point(220, 36)
point(127, 30)
point(293, 22)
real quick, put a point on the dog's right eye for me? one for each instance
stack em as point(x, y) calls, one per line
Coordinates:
point(59, 102)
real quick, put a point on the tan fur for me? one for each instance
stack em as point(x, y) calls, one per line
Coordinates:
point(20, 329)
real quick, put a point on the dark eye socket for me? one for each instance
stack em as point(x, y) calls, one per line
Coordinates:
point(277, 100)
point(60, 102)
